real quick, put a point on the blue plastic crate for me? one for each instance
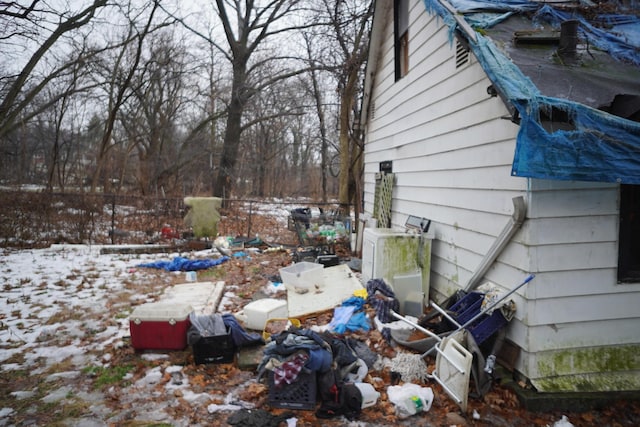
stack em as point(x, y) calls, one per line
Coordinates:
point(463, 310)
point(485, 326)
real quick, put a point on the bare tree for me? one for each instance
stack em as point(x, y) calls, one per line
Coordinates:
point(252, 26)
point(351, 21)
point(249, 26)
point(23, 23)
point(120, 87)
point(317, 94)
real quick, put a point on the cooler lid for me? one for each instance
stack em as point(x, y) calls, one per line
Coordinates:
point(161, 311)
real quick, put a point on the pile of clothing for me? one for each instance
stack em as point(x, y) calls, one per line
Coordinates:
point(337, 363)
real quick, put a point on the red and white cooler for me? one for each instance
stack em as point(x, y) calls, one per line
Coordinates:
point(160, 326)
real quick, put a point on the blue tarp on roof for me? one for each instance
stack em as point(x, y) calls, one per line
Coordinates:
point(592, 145)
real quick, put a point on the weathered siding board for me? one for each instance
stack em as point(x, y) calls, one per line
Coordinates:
point(583, 308)
point(566, 256)
point(562, 284)
point(577, 229)
point(499, 202)
point(485, 130)
point(574, 202)
point(490, 154)
point(478, 178)
point(549, 185)
point(581, 334)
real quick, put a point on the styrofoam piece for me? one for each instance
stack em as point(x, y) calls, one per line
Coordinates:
point(256, 313)
point(413, 304)
point(406, 285)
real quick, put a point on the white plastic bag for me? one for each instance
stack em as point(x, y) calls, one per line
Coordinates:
point(410, 399)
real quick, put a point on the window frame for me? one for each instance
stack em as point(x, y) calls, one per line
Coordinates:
point(401, 37)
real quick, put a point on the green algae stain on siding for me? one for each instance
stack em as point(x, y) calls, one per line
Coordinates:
point(605, 368)
point(401, 255)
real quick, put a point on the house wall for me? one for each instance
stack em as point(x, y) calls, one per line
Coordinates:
point(452, 147)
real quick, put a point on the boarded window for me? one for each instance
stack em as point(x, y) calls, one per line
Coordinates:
point(401, 37)
point(629, 240)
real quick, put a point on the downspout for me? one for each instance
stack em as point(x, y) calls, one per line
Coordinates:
point(517, 218)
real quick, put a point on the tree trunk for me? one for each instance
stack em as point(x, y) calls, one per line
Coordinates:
point(223, 183)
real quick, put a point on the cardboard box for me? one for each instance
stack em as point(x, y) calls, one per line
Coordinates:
point(160, 326)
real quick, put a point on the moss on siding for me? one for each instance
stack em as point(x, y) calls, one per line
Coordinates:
point(401, 256)
point(589, 369)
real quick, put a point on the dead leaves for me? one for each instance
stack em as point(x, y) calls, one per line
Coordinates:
point(502, 398)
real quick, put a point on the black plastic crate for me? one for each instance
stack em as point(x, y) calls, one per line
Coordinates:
point(214, 349)
point(328, 260)
point(301, 394)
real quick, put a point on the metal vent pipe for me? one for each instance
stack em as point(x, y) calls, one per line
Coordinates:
point(568, 38)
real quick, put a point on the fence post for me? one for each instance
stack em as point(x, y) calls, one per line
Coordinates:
point(249, 222)
point(113, 219)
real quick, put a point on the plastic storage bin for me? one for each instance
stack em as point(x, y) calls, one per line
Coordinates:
point(303, 275)
point(486, 325)
point(301, 394)
point(160, 326)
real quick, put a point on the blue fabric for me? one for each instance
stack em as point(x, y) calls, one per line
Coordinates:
point(341, 316)
point(357, 322)
point(382, 298)
point(239, 335)
point(185, 264)
point(319, 360)
point(356, 302)
point(348, 317)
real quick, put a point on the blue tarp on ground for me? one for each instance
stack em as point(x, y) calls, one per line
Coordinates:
point(185, 264)
point(593, 145)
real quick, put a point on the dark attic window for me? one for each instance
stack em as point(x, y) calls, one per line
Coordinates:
point(401, 37)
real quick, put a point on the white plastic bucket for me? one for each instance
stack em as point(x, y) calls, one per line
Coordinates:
point(369, 394)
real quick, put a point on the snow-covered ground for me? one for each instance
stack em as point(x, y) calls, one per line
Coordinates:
point(57, 294)
point(65, 309)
